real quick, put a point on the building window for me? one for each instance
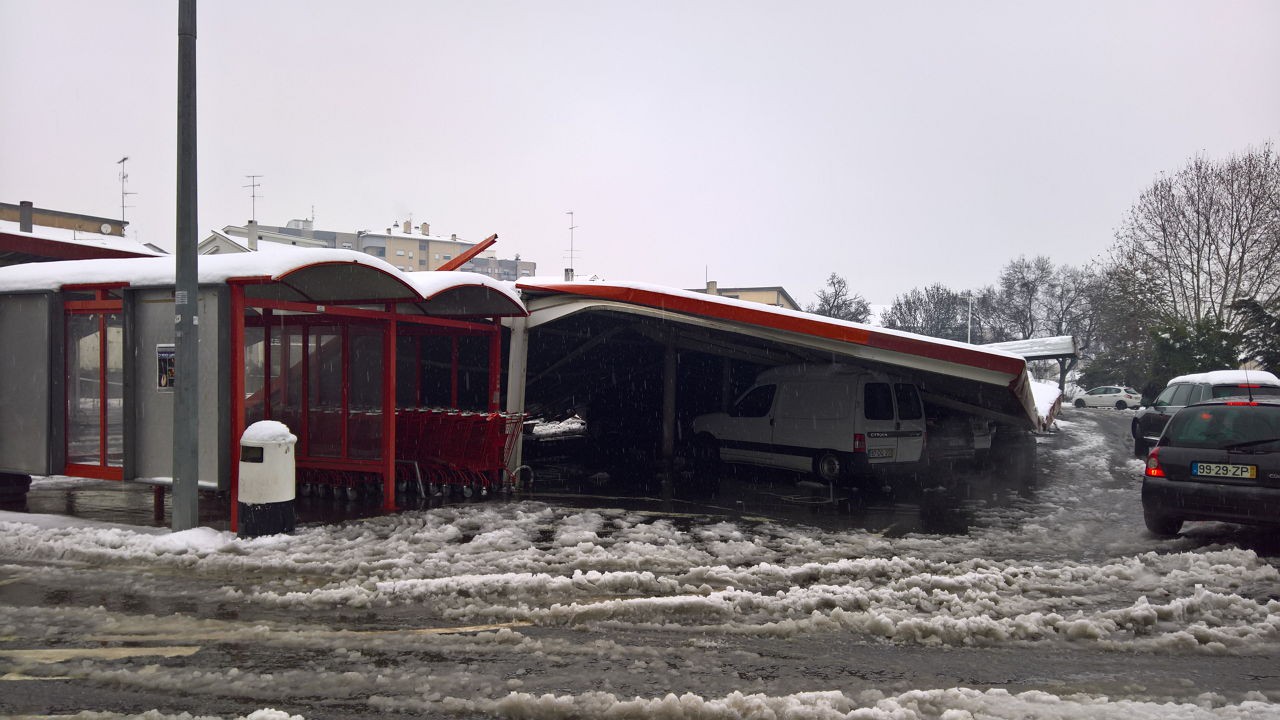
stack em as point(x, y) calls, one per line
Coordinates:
point(448, 257)
point(400, 253)
point(410, 254)
point(422, 262)
point(437, 256)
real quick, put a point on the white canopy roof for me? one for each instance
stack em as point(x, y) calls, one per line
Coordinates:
point(281, 263)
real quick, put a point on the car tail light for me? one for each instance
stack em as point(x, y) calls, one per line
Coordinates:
point(1248, 386)
point(859, 443)
point(1242, 402)
point(1153, 464)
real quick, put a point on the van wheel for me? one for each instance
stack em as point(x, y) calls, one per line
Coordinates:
point(828, 466)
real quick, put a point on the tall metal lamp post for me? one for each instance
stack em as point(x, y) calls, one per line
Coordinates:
point(186, 301)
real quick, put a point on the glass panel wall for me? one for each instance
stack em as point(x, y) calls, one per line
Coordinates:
point(84, 390)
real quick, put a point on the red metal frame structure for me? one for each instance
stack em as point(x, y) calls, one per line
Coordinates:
point(102, 305)
point(303, 316)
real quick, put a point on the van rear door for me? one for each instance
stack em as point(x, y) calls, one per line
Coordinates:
point(880, 422)
point(910, 422)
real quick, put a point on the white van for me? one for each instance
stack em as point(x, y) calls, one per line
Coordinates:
point(836, 421)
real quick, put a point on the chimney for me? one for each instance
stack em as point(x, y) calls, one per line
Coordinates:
point(454, 237)
point(24, 215)
point(388, 231)
point(568, 274)
point(408, 227)
point(251, 233)
point(713, 287)
point(426, 229)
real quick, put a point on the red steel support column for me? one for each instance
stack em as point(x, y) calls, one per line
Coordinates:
point(453, 377)
point(495, 368)
point(266, 365)
point(389, 412)
point(345, 360)
point(104, 393)
point(237, 397)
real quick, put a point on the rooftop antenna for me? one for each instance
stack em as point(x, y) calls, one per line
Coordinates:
point(572, 227)
point(253, 195)
point(124, 177)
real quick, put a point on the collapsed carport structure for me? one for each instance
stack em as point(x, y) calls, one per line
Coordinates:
point(338, 345)
point(641, 360)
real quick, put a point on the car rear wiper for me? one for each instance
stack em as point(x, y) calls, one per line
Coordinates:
point(1250, 443)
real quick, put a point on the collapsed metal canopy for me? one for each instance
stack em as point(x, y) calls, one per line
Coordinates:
point(981, 381)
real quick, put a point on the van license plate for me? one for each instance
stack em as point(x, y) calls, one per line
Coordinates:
point(1224, 470)
point(880, 452)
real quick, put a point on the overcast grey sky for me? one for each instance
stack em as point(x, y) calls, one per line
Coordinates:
point(752, 143)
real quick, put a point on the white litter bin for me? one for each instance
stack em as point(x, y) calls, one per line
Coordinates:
point(267, 479)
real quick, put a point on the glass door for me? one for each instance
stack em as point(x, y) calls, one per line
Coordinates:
point(95, 395)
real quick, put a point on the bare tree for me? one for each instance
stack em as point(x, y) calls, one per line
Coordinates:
point(1066, 301)
point(835, 301)
point(1206, 235)
point(1021, 300)
point(936, 311)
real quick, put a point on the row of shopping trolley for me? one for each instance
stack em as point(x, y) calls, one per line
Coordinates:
point(441, 449)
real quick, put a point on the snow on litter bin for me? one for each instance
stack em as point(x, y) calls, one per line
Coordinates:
point(266, 491)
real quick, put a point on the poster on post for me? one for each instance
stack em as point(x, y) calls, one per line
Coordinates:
point(165, 378)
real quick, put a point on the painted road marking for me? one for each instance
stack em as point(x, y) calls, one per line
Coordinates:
point(56, 655)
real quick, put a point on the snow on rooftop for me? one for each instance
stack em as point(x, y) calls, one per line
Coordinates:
point(271, 259)
point(433, 282)
point(1035, 348)
point(76, 237)
point(551, 284)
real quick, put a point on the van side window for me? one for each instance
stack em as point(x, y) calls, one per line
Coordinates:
point(877, 401)
point(908, 401)
point(1165, 396)
point(755, 403)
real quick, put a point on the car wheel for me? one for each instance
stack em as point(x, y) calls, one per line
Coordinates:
point(1120, 405)
point(1079, 402)
point(828, 466)
point(1161, 525)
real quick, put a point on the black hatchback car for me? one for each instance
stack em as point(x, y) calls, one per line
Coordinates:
point(1185, 390)
point(1216, 460)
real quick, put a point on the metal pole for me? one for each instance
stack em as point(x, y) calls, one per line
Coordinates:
point(186, 411)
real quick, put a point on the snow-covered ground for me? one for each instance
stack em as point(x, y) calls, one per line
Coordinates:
point(611, 613)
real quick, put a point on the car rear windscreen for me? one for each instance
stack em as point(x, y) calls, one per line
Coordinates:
point(1225, 391)
point(1222, 426)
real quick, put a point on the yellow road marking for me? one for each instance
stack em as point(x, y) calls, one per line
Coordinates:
point(13, 676)
point(54, 655)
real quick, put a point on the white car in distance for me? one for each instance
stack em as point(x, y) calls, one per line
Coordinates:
point(1115, 396)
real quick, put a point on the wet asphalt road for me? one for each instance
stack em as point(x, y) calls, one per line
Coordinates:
point(1074, 498)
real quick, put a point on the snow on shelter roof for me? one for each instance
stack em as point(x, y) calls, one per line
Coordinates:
point(973, 369)
point(308, 272)
point(1045, 348)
